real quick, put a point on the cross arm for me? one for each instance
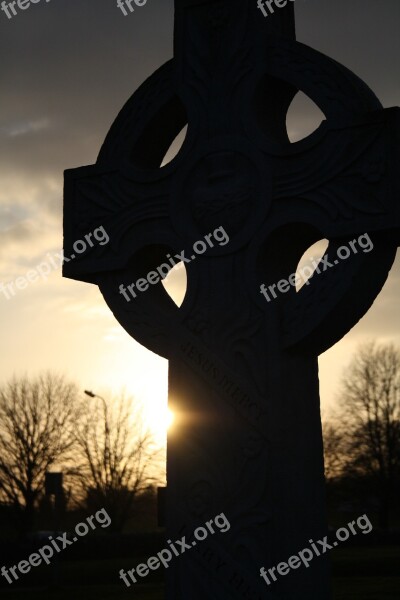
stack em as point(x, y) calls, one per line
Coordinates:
point(343, 187)
point(347, 182)
point(97, 197)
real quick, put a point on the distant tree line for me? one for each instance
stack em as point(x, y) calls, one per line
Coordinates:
point(105, 451)
point(362, 439)
point(109, 459)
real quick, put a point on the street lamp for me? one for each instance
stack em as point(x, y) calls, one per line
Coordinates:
point(92, 395)
point(106, 427)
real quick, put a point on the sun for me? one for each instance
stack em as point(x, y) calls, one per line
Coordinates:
point(160, 421)
point(170, 418)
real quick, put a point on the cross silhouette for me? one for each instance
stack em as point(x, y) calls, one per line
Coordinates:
point(243, 372)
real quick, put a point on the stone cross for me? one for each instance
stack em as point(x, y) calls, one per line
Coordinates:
point(243, 371)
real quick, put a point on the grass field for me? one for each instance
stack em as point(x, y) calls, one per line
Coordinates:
point(367, 588)
point(360, 574)
point(104, 592)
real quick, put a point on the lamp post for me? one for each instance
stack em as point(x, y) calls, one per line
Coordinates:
point(92, 395)
point(106, 431)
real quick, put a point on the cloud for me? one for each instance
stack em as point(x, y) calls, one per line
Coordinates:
point(24, 128)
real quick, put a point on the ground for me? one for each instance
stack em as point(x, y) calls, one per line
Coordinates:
point(360, 574)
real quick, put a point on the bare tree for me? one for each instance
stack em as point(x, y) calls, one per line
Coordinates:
point(118, 458)
point(334, 449)
point(370, 403)
point(36, 433)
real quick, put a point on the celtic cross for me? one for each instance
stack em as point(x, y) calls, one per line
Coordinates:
point(243, 372)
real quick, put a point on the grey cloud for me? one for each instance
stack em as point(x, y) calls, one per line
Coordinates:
point(361, 34)
point(75, 65)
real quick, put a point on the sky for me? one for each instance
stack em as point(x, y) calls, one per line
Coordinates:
point(66, 70)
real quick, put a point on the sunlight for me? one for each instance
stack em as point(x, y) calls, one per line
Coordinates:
point(170, 418)
point(159, 422)
point(175, 283)
point(309, 260)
